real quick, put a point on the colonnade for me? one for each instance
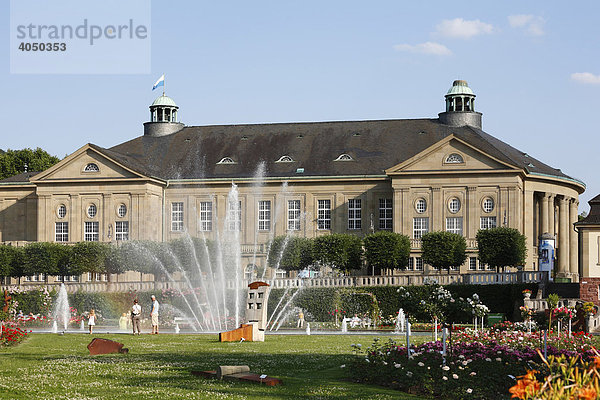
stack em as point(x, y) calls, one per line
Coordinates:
point(556, 216)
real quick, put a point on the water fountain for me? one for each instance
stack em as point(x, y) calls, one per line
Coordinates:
point(61, 313)
point(82, 326)
point(400, 322)
point(308, 329)
point(345, 325)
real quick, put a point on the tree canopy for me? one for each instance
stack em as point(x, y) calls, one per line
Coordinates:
point(387, 250)
point(339, 250)
point(501, 247)
point(14, 162)
point(444, 249)
point(291, 253)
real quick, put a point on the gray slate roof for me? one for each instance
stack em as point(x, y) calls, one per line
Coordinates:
point(193, 152)
point(593, 218)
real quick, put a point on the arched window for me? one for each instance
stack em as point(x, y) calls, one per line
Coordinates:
point(488, 204)
point(421, 206)
point(454, 205)
point(344, 157)
point(61, 211)
point(250, 272)
point(285, 159)
point(226, 160)
point(454, 158)
point(91, 167)
point(92, 210)
point(122, 210)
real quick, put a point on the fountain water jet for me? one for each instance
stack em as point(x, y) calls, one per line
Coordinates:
point(61, 313)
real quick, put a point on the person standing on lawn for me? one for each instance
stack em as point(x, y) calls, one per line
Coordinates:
point(154, 315)
point(136, 312)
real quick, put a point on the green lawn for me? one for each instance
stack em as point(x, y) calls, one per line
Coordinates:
point(49, 366)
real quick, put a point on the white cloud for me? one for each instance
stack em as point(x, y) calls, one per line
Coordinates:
point(586, 77)
point(425, 48)
point(463, 29)
point(533, 24)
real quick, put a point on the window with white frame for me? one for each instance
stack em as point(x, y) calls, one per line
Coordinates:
point(487, 222)
point(418, 264)
point(122, 230)
point(92, 210)
point(385, 214)
point(91, 231)
point(206, 216)
point(324, 214)
point(420, 227)
point(454, 205)
point(177, 216)
point(354, 214)
point(293, 222)
point(480, 266)
point(454, 159)
point(488, 204)
point(61, 232)
point(421, 206)
point(411, 264)
point(454, 225)
point(122, 210)
point(61, 211)
point(234, 216)
point(91, 167)
point(472, 263)
point(264, 215)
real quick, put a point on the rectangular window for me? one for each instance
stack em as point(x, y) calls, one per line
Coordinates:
point(481, 266)
point(487, 222)
point(177, 216)
point(420, 227)
point(385, 213)
point(234, 216)
point(411, 264)
point(61, 232)
point(206, 216)
point(472, 263)
point(324, 214)
point(91, 232)
point(418, 264)
point(454, 225)
point(293, 215)
point(354, 214)
point(122, 230)
point(264, 215)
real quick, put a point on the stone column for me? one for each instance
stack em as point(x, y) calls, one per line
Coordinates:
point(544, 216)
point(573, 240)
point(551, 209)
point(471, 221)
point(563, 237)
point(437, 211)
point(528, 222)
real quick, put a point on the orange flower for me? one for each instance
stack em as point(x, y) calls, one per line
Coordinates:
point(596, 363)
point(586, 393)
point(526, 386)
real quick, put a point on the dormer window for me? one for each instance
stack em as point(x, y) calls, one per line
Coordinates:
point(344, 157)
point(454, 158)
point(226, 160)
point(91, 167)
point(285, 159)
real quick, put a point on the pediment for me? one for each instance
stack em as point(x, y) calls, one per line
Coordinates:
point(450, 155)
point(85, 164)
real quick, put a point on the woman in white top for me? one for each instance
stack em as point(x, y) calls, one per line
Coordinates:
point(92, 320)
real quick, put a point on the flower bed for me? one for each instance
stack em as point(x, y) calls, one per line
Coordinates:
point(480, 365)
point(12, 335)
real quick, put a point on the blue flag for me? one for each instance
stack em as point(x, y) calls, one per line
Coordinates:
point(159, 82)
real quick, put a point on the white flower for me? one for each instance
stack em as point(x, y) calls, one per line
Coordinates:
point(454, 376)
point(445, 378)
point(397, 365)
point(343, 366)
point(473, 373)
point(499, 359)
point(367, 360)
point(421, 364)
point(488, 359)
point(469, 390)
point(385, 363)
point(409, 374)
point(465, 363)
point(446, 368)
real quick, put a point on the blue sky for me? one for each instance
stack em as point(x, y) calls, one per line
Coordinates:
point(534, 66)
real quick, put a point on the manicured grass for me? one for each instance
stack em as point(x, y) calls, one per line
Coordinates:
point(49, 366)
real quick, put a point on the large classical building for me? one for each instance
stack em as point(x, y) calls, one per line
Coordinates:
point(408, 176)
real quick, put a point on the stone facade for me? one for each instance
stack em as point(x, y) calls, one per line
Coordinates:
point(457, 181)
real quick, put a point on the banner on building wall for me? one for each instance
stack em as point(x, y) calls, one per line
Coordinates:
point(546, 256)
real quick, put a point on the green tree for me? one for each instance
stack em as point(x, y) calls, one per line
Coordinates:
point(87, 257)
point(387, 250)
point(501, 247)
point(443, 249)
point(291, 253)
point(13, 162)
point(44, 258)
point(7, 256)
point(339, 250)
